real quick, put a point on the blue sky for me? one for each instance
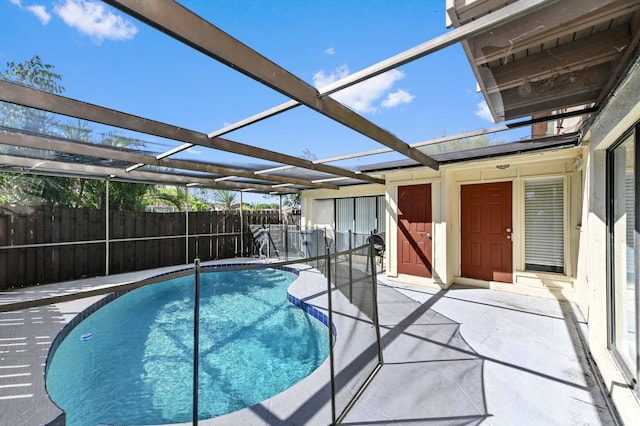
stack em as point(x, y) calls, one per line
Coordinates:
point(110, 59)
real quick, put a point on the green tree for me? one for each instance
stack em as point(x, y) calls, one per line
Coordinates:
point(117, 140)
point(31, 189)
point(294, 200)
point(175, 195)
point(225, 200)
point(127, 196)
point(80, 131)
point(33, 73)
point(27, 188)
point(16, 188)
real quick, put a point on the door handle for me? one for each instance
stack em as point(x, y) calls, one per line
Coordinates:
point(508, 230)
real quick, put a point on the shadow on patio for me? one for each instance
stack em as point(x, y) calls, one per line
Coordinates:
point(470, 356)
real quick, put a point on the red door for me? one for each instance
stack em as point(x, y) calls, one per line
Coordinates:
point(486, 231)
point(414, 230)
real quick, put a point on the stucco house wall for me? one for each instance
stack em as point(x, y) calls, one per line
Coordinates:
point(445, 185)
point(620, 114)
point(584, 171)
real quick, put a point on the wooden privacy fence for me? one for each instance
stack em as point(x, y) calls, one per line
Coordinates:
point(42, 244)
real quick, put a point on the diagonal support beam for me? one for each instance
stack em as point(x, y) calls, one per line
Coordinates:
point(180, 23)
point(485, 23)
point(33, 98)
point(99, 151)
point(46, 167)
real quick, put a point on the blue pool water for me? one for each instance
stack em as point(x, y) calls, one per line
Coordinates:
point(130, 362)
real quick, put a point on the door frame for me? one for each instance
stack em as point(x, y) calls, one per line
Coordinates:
point(516, 221)
point(397, 250)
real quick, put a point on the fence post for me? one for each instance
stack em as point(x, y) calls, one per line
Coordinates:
point(106, 228)
point(186, 223)
point(350, 270)
point(268, 241)
point(241, 228)
point(374, 282)
point(286, 241)
point(196, 338)
point(327, 261)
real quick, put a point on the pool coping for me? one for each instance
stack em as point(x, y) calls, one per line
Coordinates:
point(306, 402)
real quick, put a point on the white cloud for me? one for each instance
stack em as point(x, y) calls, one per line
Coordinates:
point(93, 19)
point(365, 97)
point(37, 10)
point(483, 112)
point(194, 151)
point(330, 51)
point(40, 12)
point(396, 98)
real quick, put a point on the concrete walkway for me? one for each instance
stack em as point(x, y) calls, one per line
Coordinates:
point(470, 356)
point(463, 356)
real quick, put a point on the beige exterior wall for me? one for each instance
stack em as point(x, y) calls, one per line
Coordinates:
point(584, 172)
point(446, 185)
point(622, 112)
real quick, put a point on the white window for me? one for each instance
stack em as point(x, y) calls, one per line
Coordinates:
point(361, 216)
point(544, 225)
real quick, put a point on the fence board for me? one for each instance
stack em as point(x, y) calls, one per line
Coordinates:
point(48, 224)
point(29, 263)
point(4, 254)
point(67, 218)
point(47, 237)
point(39, 264)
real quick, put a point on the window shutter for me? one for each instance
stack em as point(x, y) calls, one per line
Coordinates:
point(344, 222)
point(544, 225)
point(382, 206)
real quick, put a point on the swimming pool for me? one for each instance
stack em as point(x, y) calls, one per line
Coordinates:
point(130, 362)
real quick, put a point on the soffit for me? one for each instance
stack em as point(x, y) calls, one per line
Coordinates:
point(567, 53)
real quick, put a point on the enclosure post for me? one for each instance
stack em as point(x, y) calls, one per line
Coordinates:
point(335, 257)
point(280, 211)
point(350, 270)
point(241, 228)
point(317, 235)
point(327, 261)
point(374, 293)
point(106, 227)
point(286, 241)
point(186, 223)
point(196, 339)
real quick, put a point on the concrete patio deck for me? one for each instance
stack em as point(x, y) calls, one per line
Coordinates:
point(470, 356)
point(462, 356)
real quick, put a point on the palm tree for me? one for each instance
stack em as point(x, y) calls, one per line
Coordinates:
point(226, 200)
point(119, 140)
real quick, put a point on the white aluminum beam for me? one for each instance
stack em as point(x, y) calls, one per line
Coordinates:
point(33, 98)
point(506, 14)
point(63, 168)
point(180, 23)
point(101, 151)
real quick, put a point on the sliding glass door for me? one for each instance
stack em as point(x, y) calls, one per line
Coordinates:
point(623, 253)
